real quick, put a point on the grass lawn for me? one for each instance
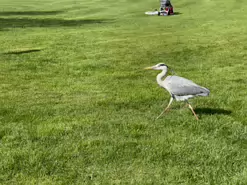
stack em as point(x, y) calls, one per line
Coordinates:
point(76, 106)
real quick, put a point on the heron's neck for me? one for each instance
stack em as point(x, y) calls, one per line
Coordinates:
point(160, 76)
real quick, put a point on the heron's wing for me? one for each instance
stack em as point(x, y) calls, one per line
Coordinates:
point(181, 86)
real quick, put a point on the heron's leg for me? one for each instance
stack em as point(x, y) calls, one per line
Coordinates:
point(166, 108)
point(192, 110)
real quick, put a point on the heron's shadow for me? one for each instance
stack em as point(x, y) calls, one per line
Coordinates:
point(212, 111)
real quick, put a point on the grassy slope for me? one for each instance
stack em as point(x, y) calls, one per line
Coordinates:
point(81, 110)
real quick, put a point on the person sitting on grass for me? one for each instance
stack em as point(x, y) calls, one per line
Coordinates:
point(166, 7)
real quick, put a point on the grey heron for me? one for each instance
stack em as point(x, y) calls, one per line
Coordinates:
point(180, 89)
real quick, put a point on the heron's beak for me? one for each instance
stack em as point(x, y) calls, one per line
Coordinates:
point(148, 68)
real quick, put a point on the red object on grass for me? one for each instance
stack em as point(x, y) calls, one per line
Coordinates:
point(169, 10)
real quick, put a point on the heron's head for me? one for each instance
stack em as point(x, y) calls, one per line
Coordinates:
point(159, 66)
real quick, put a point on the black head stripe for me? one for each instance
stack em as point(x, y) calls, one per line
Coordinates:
point(163, 65)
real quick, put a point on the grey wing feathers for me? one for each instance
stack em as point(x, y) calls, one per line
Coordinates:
point(181, 87)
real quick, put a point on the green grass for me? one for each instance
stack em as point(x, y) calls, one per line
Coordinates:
point(76, 106)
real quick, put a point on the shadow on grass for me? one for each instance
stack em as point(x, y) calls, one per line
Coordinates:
point(177, 13)
point(212, 111)
point(32, 13)
point(18, 52)
point(27, 22)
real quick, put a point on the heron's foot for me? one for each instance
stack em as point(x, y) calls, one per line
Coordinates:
point(158, 117)
point(165, 111)
point(193, 112)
